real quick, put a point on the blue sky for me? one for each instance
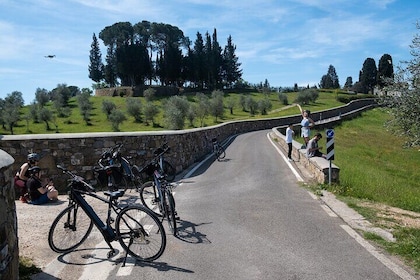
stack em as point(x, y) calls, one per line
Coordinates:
point(283, 41)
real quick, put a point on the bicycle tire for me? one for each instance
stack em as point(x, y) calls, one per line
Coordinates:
point(67, 233)
point(169, 171)
point(169, 202)
point(221, 154)
point(140, 233)
point(149, 197)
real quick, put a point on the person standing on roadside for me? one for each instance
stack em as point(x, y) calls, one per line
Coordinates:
point(307, 123)
point(289, 140)
point(23, 175)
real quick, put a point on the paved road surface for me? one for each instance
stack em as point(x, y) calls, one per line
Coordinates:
point(245, 217)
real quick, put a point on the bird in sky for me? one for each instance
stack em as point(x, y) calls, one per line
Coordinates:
point(50, 56)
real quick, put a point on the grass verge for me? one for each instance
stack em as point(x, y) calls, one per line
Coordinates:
point(380, 180)
point(27, 268)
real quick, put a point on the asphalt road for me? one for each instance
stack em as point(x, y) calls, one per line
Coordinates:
point(247, 217)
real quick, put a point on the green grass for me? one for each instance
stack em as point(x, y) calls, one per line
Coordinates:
point(98, 123)
point(27, 268)
point(373, 163)
point(375, 167)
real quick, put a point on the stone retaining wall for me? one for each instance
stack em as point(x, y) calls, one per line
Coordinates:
point(80, 151)
point(9, 249)
point(317, 166)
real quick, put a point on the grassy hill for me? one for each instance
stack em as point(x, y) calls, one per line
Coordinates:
point(99, 123)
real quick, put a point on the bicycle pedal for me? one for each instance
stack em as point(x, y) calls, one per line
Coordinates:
point(111, 253)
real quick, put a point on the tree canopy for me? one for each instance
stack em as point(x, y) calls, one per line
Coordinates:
point(149, 51)
point(403, 97)
point(330, 80)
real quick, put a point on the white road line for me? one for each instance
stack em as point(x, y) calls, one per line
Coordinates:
point(102, 269)
point(54, 268)
point(128, 268)
point(329, 211)
point(298, 177)
point(311, 194)
point(374, 252)
point(188, 175)
point(371, 249)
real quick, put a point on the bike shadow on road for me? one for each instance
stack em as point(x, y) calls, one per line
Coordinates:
point(187, 232)
point(162, 266)
point(90, 258)
point(87, 256)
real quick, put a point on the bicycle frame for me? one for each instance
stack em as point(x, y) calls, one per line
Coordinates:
point(128, 228)
point(157, 179)
point(76, 197)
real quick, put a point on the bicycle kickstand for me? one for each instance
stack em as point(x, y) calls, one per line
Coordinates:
point(126, 251)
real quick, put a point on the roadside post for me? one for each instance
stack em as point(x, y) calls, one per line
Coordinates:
point(330, 151)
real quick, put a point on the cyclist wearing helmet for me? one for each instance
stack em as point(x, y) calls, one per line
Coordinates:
point(23, 175)
point(40, 194)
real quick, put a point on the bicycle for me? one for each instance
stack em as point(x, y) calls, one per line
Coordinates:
point(137, 229)
point(124, 174)
point(218, 150)
point(167, 169)
point(157, 195)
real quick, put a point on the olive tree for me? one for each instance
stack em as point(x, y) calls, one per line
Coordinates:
point(116, 118)
point(403, 97)
point(134, 108)
point(175, 112)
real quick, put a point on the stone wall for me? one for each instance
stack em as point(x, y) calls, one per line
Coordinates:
point(9, 250)
point(317, 166)
point(80, 151)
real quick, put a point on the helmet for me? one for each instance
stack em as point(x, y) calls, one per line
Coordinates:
point(34, 169)
point(33, 157)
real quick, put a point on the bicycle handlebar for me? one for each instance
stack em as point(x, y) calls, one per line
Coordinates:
point(110, 151)
point(76, 178)
point(161, 150)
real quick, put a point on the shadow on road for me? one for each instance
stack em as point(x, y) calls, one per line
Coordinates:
point(187, 232)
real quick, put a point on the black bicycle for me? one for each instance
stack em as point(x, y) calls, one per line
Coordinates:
point(218, 150)
point(156, 195)
point(166, 168)
point(124, 174)
point(137, 229)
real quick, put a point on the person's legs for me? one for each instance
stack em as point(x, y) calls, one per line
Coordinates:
point(289, 152)
point(41, 200)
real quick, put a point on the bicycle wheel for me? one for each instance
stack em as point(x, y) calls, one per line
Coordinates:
point(70, 229)
point(169, 171)
point(169, 204)
point(150, 198)
point(221, 153)
point(140, 233)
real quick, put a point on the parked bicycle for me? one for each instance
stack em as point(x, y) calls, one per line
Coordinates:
point(137, 229)
point(124, 174)
point(218, 150)
point(166, 168)
point(157, 195)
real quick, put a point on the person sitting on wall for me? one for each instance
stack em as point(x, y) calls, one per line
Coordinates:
point(38, 193)
point(312, 149)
